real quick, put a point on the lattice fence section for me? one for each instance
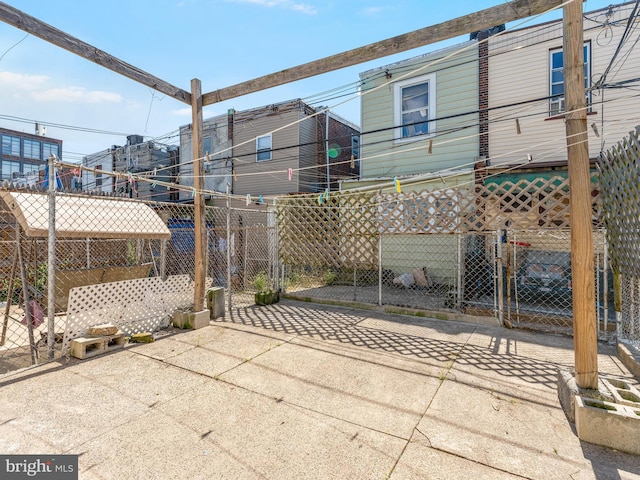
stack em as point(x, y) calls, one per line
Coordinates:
point(526, 204)
point(619, 172)
point(337, 231)
point(140, 305)
point(630, 314)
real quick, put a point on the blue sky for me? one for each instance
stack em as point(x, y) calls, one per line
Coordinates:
point(221, 42)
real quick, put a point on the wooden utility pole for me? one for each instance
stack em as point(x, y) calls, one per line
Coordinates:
point(584, 306)
point(199, 221)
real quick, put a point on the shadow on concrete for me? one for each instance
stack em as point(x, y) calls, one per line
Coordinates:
point(342, 326)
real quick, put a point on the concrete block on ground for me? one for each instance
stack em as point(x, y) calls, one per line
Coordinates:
point(608, 424)
point(623, 392)
point(103, 329)
point(142, 337)
point(191, 320)
point(86, 347)
point(568, 390)
point(215, 302)
point(83, 347)
point(115, 342)
point(630, 357)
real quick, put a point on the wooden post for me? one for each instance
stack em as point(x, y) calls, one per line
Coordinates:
point(584, 313)
point(199, 221)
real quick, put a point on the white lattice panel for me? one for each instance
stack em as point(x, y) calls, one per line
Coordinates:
point(140, 305)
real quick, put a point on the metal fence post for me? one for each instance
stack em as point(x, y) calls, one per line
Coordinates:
point(229, 247)
point(163, 259)
point(499, 277)
point(460, 269)
point(380, 269)
point(605, 281)
point(51, 268)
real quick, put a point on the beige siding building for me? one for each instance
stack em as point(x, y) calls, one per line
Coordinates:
point(525, 69)
point(268, 151)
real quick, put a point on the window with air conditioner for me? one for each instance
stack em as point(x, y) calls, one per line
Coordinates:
point(556, 79)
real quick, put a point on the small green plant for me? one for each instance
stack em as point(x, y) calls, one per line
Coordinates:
point(264, 294)
point(261, 282)
point(329, 277)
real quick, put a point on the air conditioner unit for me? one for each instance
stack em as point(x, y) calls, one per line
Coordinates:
point(557, 107)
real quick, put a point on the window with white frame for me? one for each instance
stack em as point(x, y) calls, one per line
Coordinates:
point(415, 106)
point(263, 148)
point(556, 79)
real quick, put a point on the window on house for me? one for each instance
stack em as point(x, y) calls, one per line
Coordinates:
point(10, 146)
point(263, 148)
point(207, 145)
point(556, 79)
point(32, 149)
point(48, 149)
point(355, 151)
point(414, 106)
point(355, 146)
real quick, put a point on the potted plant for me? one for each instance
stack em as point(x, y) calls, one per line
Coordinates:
point(264, 295)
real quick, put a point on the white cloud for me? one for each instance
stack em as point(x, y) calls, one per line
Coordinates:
point(182, 112)
point(288, 4)
point(76, 94)
point(22, 81)
point(186, 112)
point(39, 88)
point(372, 10)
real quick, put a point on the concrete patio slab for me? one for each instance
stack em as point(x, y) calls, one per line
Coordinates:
point(228, 349)
point(420, 461)
point(359, 391)
point(170, 347)
point(65, 409)
point(138, 377)
point(510, 435)
point(157, 446)
point(293, 391)
point(278, 440)
point(556, 349)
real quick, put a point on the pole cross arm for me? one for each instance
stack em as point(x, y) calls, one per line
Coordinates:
point(32, 25)
point(481, 20)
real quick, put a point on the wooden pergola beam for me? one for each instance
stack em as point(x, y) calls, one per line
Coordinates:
point(473, 22)
point(32, 25)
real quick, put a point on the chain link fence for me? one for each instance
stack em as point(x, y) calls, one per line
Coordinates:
point(619, 169)
point(117, 260)
point(498, 250)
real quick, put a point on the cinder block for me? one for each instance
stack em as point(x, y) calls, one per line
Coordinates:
point(83, 347)
point(115, 342)
point(630, 356)
point(623, 392)
point(215, 302)
point(191, 320)
point(608, 424)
